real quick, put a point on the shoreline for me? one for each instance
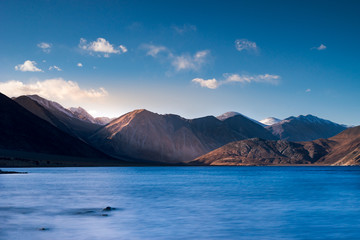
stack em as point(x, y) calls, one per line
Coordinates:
point(11, 172)
point(151, 166)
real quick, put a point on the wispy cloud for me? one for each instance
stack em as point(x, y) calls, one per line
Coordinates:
point(321, 47)
point(46, 47)
point(186, 61)
point(244, 44)
point(54, 89)
point(102, 46)
point(229, 78)
point(264, 78)
point(55, 68)
point(28, 66)
point(308, 90)
point(153, 50)
point(79, 64)
point(184, 28)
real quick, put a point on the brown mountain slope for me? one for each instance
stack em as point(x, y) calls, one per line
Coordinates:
point(170, 138)
point(343, 149)
point(259, 152)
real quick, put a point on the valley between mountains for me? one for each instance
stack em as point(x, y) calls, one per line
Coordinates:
point(39, 132)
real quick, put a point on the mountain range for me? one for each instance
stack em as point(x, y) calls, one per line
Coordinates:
point(147, 137)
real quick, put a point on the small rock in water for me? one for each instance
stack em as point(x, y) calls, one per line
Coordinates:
point(105, 215)
point(107, 209)
point(43, 229)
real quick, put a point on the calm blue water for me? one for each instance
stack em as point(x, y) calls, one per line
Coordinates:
point(181, 203)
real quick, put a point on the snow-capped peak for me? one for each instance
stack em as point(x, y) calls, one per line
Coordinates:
point(270, 121)
point(227, 115)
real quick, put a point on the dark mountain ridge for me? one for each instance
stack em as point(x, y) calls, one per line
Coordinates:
point(24, 131)
point(27, 140)
point(58, 116)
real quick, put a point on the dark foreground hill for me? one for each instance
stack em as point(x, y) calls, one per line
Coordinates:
point(58, 116)
point(24, 134)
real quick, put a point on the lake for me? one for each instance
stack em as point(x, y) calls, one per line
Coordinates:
point(181, 203)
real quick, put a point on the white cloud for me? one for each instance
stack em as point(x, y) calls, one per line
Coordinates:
point(185, 28)
point(28, 66)
point(101, 45)
point(321, 47)
point(185, 61)
point(244, 44)
point(55, 89)
point(308, 90)
point(153, 50)
point(229, 78)
point(123, 48)
point(79, 65)
point(46, 47)
point(210, 83)
point(265, 78)
point(55, 68)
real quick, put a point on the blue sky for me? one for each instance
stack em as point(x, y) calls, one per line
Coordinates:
point(192, 58)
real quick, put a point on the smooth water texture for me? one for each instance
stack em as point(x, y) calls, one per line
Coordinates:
point(181, 203)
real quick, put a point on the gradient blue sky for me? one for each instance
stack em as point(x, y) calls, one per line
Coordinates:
point(279, 70)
